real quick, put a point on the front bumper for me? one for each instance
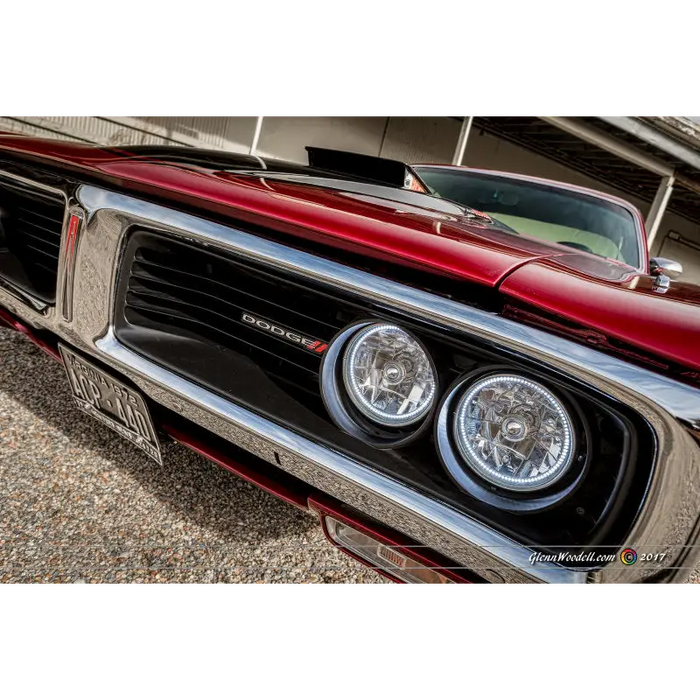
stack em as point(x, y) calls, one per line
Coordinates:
point(670, 513)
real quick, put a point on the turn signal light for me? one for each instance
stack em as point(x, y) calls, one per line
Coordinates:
point(390, 560)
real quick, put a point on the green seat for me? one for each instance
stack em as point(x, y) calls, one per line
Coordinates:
point(600, 245)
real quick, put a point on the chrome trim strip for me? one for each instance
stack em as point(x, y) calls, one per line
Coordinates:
point(670, 512)
point(32, 183)
point(427, 520)
point(23, 296)
point(70, 249)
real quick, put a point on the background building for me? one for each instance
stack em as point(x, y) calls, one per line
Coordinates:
point(653, 162)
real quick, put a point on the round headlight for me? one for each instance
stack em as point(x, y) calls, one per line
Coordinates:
point(389, 376)
point(514, 433)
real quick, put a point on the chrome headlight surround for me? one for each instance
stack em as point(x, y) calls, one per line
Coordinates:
point(455, 456)
point(349, 412)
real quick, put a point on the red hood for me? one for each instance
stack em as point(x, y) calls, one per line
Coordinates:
point(609, 298)
point(405, 234)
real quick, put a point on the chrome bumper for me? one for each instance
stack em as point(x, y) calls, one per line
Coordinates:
point(667, 521)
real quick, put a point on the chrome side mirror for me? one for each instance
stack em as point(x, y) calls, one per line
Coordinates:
point(664, 266)
point(664, 270)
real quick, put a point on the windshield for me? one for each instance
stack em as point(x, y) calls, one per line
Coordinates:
point(578, 220)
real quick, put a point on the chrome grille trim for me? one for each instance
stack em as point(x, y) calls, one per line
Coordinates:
point(471, 543)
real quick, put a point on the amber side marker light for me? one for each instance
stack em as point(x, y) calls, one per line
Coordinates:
point(387, 558)
point(381, 556)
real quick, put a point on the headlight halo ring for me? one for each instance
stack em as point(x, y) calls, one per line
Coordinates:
point(344, 411)
point(519, 424)
point(398, 371)
point(472, 483)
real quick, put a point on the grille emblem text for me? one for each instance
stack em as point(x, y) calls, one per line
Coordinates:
point(317, 346)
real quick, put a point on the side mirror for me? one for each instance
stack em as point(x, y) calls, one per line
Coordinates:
point(663, 271)
point(663, 266)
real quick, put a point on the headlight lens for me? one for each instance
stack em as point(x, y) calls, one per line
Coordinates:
point(389, 376)
point(514, 433)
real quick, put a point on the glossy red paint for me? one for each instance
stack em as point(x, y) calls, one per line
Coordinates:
point(295, 498)
point(625, 308)
point(604, 296)
point(402, 234)
point(70, 238)
point(394, 232)
point(67, 153)
point(325, 506)
point(10, 321)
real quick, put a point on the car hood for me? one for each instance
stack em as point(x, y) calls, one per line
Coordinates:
point(369, 223)
point(608, 298)
point(418, 231)
point(615, 300)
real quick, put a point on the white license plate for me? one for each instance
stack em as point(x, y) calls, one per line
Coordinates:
point(111, 402)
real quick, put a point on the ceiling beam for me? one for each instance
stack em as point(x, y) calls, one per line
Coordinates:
point(608, 143)
point(655, 138)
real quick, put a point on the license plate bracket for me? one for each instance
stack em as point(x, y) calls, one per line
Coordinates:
point(111, 402)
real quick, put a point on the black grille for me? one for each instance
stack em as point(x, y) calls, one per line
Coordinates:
point(31, 221)
point(176, 286)
point(182, 305)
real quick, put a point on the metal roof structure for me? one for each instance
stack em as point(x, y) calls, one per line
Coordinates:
point(547, 139)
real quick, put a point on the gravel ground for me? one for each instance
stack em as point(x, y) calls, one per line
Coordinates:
point(80, 504)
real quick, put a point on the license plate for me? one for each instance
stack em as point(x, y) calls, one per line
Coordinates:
point(111, 402)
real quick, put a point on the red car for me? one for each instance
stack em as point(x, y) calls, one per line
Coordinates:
point(461, 390)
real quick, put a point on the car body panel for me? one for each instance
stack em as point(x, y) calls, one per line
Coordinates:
point(599, 294)
point(400, 233)
point(626, 308)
